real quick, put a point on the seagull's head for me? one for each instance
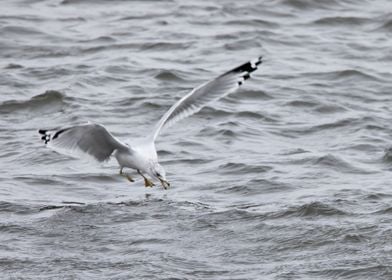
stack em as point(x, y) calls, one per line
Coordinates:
point(158, 172)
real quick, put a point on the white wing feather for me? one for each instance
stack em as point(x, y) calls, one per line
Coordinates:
point(199, 97)
point(91, 139)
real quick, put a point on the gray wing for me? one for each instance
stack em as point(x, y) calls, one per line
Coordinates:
point(199, 97)
point(91, 139)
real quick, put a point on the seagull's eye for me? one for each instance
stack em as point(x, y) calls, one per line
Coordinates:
point(159, 175)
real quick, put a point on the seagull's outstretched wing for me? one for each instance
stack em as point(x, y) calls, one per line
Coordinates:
point(91, 139)
point(199, 97)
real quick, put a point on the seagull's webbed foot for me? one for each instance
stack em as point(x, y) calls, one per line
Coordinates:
point(130, 179)
point(165, 184)
point(148, 183)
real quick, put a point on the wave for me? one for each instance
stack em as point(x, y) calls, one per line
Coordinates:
point(388, 155)
point(330, 160)
point(257, 186)
point(49, 101)
point(253, 23)
point(24, 17)
point(387, 26)
point(150, 105)
point(308, 210)
point(71, 2)
point(339, 20)
point(13, 228)
point(364, 147)
point(225, 114)
point(254, 115)
point(333, 163)
point(16, 208)
point(310, 4)
point(330, 108)
point(302, 104)
point(354, 270)
point(100, 39)
point(337, 164)
point(349, 122)
point(354, 238)
point(13, 66)
point(20, 30)
point(254, 95)
point(166, 46)
point(233, 215)
point(348, 73)
point(344, 74)
point(153, 46)
point(312, 209)
point(387, 210)
point(118, 209)
point(227, 134)
point(242, 168)
point(148, 15)
point(241, 44)
point(168, 75)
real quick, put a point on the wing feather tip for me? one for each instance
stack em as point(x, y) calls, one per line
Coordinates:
point(259, 60)
point(249, 66)
point(255, 62)
point(45, 135)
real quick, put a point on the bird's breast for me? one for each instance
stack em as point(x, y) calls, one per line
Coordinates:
point(127, 159)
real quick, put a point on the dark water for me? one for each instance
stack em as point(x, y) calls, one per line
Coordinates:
point(290, 178)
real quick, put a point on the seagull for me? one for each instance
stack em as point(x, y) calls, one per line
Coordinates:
point(96, 141)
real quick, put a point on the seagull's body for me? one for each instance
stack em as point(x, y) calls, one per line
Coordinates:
point(96, 141)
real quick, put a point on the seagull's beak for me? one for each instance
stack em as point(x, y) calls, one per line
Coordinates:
point(165, 184)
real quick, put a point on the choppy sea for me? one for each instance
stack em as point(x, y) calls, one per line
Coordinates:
point(288, 178)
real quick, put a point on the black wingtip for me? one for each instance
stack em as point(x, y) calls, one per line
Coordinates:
point(246, 76)
point(245, 69)
point(45, 136)
point(249, 66)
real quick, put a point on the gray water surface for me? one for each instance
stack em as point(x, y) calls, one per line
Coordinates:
point(289, 178)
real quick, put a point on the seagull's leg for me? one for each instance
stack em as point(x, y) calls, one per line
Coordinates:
point(147, 182)
point(126, 175)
